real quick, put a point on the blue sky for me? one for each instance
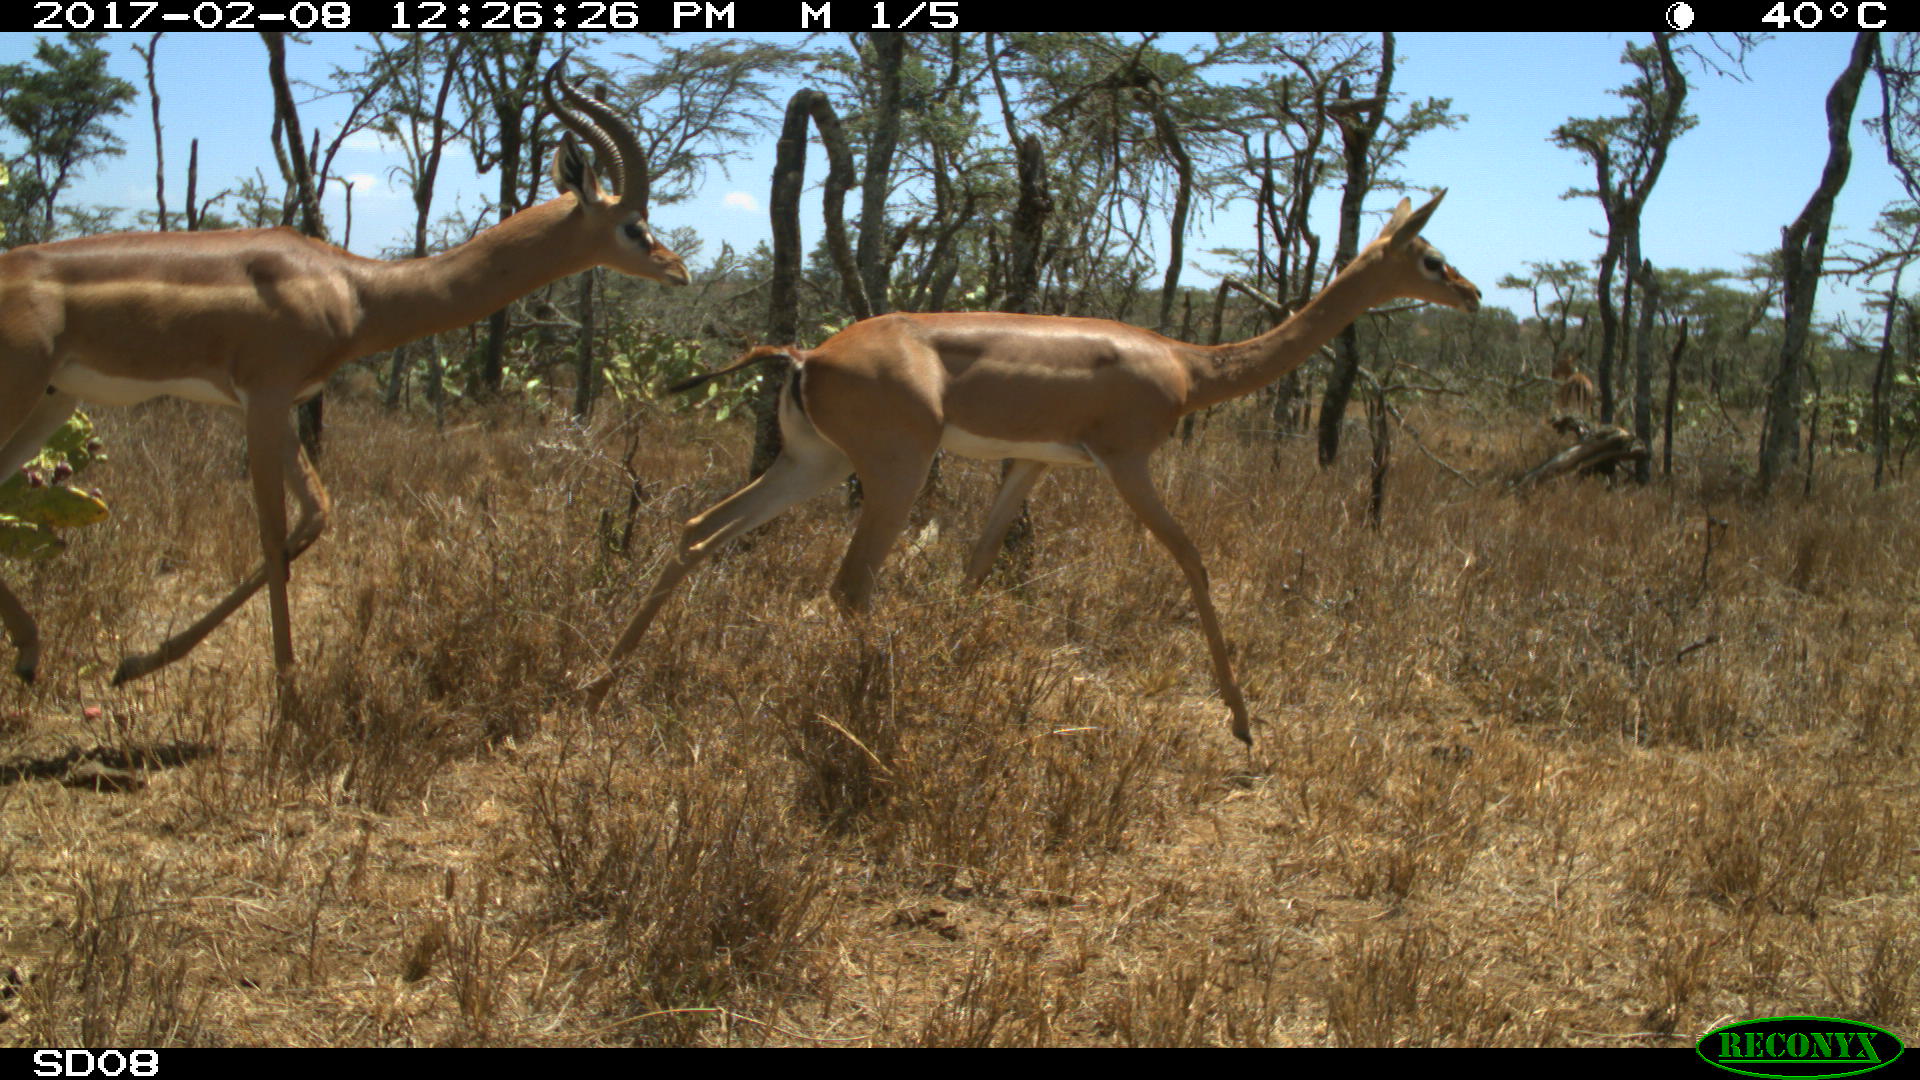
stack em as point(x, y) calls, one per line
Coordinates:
point(1729, 187)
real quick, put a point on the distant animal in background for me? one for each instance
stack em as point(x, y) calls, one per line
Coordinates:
point(1575, 392)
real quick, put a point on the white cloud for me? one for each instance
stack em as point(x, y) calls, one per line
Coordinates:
point(740, 200)
point(367, 185)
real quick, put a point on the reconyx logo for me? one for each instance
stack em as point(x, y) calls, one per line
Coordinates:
point(1799, 1047)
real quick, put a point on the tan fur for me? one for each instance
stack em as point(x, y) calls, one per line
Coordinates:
point(258, 318)
point(1575, 394)
point(881, 396)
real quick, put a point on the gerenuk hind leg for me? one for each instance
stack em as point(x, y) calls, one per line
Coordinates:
point(807, 466)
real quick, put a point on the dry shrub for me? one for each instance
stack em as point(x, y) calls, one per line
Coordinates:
point(698, 888)
point(476, 960)
point(1791, 850)
point(948, 743)
point(982, 764)
point(119, 975)
point(1885, 990)
point(1540, 749)
point(841, 729)
point(1695, 705)
point(1675, 969)
point(364, 729)
point(1004, 998)
point(1410, 987)
point(1219, 995)
point(446, 637)
point(1882, 704)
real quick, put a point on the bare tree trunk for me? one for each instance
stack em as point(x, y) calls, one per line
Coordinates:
point(1813, 434)
point(783, 208)
point(509, 81)
point(159, 143)
point(1182, 200)
point(875, 258)
point(310, 418)
point(1382, 453)
point(1673, 391)
point(1643, 370)
point(346, 235)
point(1359, 123)
point(396, 376)
point(307, 199)
point(1803, 249)
point(1881, 421)
point(193, 185)
point(1027, 229)
point(833, 200)
point(493, 354)
point(1609, 328)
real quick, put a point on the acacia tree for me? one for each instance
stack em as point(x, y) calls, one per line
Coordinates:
point(1628, 153)
point(691, 107)
point(58, 103)
point(1569, 285)
point(948, 150)
point(697, 106)
point(1359, 123)
point(499, 87)
point(1134, 134)
point(1897, 64)
point(1372, 141)
point(1900, 228)
point(1802, 249)
point(948, 174)
point(1286, 249)
point(411, 114)
point(306, 171)
point(1295, 108)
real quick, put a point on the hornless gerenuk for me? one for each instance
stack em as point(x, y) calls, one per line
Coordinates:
point(880, 397)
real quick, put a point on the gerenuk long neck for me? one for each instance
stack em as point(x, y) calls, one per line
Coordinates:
point(1223, 372)
point(409, 299)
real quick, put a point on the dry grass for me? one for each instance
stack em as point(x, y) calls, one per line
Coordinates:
point(1533, 772)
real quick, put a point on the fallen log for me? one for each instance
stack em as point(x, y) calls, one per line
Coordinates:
point(1599, 448)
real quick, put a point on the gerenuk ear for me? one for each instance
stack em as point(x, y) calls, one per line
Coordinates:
point(572, 172)
point(1406, 222)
